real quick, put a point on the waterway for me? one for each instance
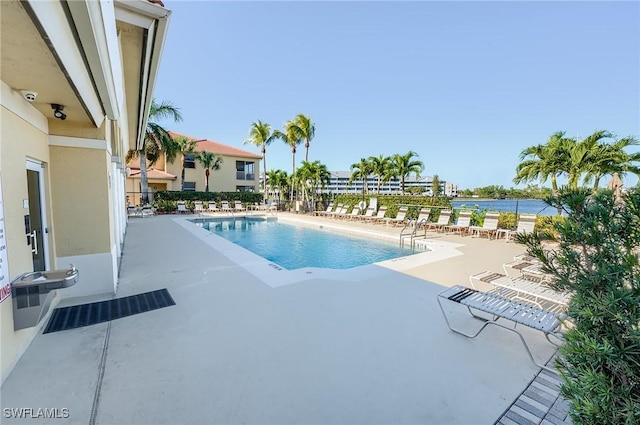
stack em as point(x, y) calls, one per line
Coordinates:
point(522, 206)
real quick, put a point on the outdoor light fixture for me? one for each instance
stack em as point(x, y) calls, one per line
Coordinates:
point(57, 111)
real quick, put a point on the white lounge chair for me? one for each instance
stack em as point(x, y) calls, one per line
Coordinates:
point(182, 208)
point(225, 207)
point(500, 307)
point(212, 207)
point(325, 212)
point(489, 227)
point(443, 220)
point(464, 221)
point(198, 208)
point(238, 206)
point(379, 217)
point(526, 224)
point(399, 218)
point(354, 214)
point(367, 214)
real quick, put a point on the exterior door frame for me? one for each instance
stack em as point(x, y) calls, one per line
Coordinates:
point(38, 167)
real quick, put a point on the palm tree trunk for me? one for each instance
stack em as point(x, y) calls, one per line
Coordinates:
point(206, 180)
point(264, 180)
point(554, 190)
point(144, 183)
point(293, 163)
point(306, 154)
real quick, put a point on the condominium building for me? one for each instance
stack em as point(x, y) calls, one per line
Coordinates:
point(239, 171)
point(340, 183)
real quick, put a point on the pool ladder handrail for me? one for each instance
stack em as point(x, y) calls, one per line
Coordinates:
point(414, 226)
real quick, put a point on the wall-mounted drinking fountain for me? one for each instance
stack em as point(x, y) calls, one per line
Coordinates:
point(32, 296)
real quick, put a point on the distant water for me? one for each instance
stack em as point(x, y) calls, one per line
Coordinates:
point(523, 206)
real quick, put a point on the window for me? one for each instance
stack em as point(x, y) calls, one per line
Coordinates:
point(189, 161)
point(189, 187)
point(245, 170)
point(245, 189)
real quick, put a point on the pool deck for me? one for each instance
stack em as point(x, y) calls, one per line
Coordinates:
point(247, 343)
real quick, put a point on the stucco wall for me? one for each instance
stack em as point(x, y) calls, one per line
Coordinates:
point(80, 200)
point(21, 137)
point(223, 180)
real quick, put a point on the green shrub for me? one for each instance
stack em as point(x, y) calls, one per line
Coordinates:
point(244, 197)
point(597, 261)
point(507, 220)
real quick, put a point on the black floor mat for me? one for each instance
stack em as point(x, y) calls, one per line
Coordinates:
point(81, 315)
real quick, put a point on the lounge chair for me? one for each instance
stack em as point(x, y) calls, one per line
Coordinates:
point(529, 289)
point(423, 217)
point(399, 218)
point(354, 215)
point(147, 210)
point(443, 220)
point(334, 212)
point(328, 210)
point(182, 208)
point(238, 206)
point(464, 221)
point(379, 217)
point(503, 308)
point(489, 227)
point(367, 214)
point(343, 211)
point(212, 207)
point(225, 207)
point(198, 208)
point(526, 224)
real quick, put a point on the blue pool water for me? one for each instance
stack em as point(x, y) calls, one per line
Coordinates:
point(295, 247)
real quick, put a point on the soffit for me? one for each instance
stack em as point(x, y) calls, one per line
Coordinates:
point(28, 63)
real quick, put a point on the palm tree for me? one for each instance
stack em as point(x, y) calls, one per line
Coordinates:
point(404, 165)
point(208, 160)
point(541, 162)
point(380, 166)
point(361, 170)
point(292, 138)
point(260, 135)
point(312, 176)
point(278, 180)
point(606, 159)
point(305, 129)
point(184, 146)
point(157, 140)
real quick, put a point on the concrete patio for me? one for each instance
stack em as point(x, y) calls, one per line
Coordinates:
point(328, 348)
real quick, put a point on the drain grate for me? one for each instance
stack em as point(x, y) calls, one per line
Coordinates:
point(81, 315)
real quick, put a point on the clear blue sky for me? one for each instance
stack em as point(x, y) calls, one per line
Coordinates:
point(466, 85)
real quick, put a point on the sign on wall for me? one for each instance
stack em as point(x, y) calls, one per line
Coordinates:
point(5, 284)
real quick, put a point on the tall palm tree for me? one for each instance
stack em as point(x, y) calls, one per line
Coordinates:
point(305, 129)
point(260, 135)
point(292, 138)
point(380, 166)
point(542, 162)
point(157, 140)
point(404, 165)
point(209, 161)
point(184, 146)
point(361, 170)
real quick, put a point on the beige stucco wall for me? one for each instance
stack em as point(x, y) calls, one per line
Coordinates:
point(19, 140)
point(81, 200)
point(223, 180)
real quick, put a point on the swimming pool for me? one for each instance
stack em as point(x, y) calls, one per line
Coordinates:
point(294, 247)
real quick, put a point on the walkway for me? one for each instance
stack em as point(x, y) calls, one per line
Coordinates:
point(326, 350)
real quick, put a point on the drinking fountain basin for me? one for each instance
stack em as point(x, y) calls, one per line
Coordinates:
point(47, 280)
point(32, 294)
